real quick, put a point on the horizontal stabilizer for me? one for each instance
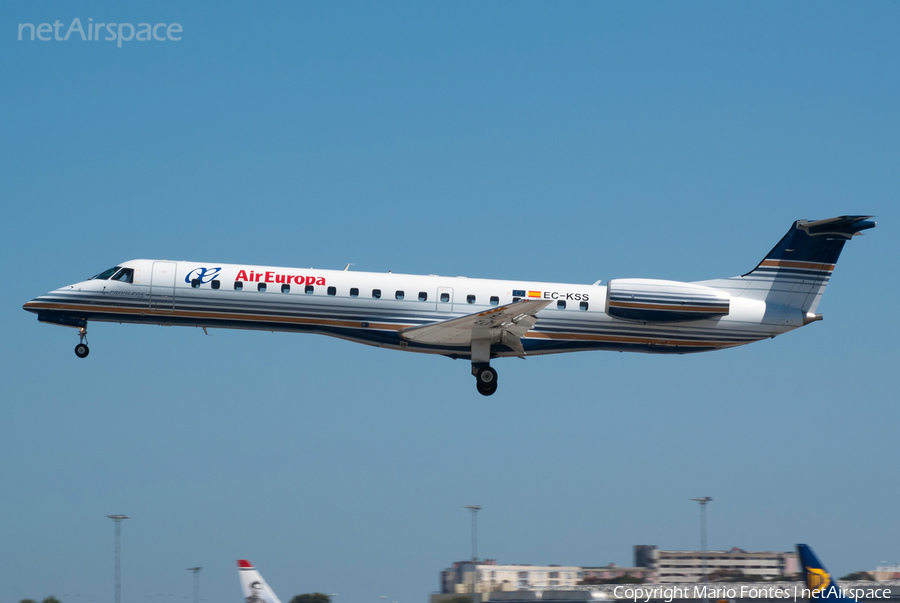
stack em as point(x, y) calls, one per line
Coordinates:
point(846, 226)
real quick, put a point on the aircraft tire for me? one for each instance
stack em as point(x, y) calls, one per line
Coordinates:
point(487, 390)
point(81, 350)
point(486, 381)
point(487, 376)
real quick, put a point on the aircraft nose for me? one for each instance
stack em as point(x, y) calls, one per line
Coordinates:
point(32, 306)
point(42, 302)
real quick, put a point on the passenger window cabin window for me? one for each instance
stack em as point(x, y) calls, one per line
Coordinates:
point(399, 294)
point(332, 290)
point(238, 285)
point(470, 299)
point(445, 297)
point(216, 284)
point(583, 306)
point(354, 292)
point(195, 283)
point(561, 305)
point(495, 300)
point(125, 275)
point(310, 289)
point(423, 296)
point(261, 287)
point(285, 288)
point(376, 293)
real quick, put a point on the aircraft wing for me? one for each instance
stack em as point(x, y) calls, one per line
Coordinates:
point(503, 324)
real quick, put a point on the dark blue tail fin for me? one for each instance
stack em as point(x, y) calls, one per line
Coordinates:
point(818, 581)
point(797, 270)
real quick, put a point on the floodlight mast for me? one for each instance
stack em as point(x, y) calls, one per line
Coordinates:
point(703, 500)
point(196, 571)
point(117, 519)
point(474, 509)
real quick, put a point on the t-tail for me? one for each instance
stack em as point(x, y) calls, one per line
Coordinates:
point(819, 583)
point(253, 586)
point(795, 273)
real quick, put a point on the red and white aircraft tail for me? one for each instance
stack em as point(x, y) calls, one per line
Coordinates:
point(253, 586)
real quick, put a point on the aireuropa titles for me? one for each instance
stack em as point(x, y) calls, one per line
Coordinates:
point(94, 32)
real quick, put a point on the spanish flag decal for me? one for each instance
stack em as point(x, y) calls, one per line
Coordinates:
point(534, 294)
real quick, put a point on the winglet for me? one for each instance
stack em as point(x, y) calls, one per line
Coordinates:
point(243, 563)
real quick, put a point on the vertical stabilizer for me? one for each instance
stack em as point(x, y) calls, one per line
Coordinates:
point(818, 581)
point(253, 587)
point(794, 274)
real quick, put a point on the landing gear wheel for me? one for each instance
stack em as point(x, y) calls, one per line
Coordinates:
point(486, 375)
point(486, 390)
point(81, 350)
point(486, 380)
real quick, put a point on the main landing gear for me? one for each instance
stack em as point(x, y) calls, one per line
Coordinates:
point(485, 379)
point(82, 350)
point(485, 376)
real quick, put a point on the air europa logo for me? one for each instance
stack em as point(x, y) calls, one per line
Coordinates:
point(204, 275)
point(270, 276)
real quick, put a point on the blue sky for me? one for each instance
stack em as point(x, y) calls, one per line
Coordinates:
point(565, 142)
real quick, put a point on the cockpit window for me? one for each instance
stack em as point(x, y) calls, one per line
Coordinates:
point(126, 275)
point(105, 274)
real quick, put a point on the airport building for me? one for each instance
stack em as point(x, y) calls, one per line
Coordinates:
point(651, 565)
point(885, 573)
point(595, 575)
point(489, 577)
point(687, 566)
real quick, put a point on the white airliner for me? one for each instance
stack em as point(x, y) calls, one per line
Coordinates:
point(253, 586)
point(478, 319)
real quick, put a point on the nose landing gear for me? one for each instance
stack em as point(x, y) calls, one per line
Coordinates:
point(82, 350)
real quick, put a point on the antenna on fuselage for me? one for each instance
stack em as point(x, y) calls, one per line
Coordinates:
point(347, 267)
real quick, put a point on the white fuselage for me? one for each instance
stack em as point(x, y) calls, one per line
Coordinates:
point(374, 308)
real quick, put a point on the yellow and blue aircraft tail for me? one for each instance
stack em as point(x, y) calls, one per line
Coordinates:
point(798, 268)
point(818, 580)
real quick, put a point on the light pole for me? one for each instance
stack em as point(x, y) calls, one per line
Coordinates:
point(196, 571)
point(117, 519)
point(474, 509)
point(703, 500)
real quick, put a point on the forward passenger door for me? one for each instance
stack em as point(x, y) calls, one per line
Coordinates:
point(162, 287)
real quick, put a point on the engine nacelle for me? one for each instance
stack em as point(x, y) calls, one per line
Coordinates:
point(651, 300)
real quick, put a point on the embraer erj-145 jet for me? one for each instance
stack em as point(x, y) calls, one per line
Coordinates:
point(478, 319)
